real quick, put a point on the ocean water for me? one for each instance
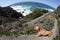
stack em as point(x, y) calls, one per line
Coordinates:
point(27, 7)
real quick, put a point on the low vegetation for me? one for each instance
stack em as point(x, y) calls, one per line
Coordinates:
point(29, 30)
point(48, 24)
point(35, 13)
point(9, 20)
point(57, 12)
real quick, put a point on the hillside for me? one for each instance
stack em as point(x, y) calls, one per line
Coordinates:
point(14, 23)
point(9, 12)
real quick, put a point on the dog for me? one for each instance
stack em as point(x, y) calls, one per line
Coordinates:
point(42, 32)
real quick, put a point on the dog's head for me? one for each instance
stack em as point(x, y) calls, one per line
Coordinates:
point(36, 28)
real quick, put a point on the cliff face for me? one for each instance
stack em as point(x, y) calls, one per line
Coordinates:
point(9, 12)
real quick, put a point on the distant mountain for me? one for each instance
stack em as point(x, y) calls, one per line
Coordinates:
point(26, 7)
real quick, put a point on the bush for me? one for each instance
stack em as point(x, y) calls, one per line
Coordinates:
point(48, 24)
point(29, 30)
point(57, 38)
point(36, 13)
point(15, 33)
point(4, 20)
point(8, 33)
point(5, 32)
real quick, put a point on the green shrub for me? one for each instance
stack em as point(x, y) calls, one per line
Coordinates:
point(22, 21)
point(29, 30)
point(48, 24)
point(21, 33)
point(15, 33)
point(36, 13)
point(57, 38)
point(5, 32)
point(6, 20)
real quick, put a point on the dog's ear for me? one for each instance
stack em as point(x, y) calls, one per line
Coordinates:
point(36, 28)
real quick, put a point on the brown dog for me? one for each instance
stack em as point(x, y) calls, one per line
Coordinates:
point(42, 32)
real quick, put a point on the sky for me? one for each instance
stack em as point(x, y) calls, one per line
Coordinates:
point(53, 3)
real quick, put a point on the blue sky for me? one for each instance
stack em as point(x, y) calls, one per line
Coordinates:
point(53, 3)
